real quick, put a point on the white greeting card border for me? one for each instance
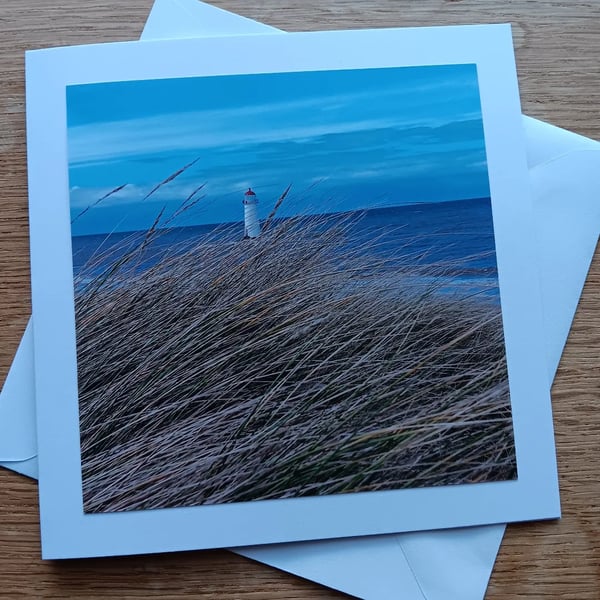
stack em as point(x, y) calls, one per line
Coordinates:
point(66, 530)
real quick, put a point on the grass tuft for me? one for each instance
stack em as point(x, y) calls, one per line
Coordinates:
point(295, 364)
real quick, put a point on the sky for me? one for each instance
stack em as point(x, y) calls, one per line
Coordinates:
point(344, 140)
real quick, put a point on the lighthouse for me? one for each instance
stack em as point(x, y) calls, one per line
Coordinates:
point(251, 224)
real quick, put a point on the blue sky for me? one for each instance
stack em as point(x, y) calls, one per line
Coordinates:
point(344, 140)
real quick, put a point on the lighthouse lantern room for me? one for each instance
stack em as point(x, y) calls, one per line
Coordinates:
point(251, 223)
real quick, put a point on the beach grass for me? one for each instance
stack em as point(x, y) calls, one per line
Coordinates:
point(293, 364)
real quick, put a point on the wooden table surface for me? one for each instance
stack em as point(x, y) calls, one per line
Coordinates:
point(558, 51)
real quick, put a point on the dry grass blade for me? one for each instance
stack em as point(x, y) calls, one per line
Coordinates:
point(170, 178)
point(108, 195)
point(272, 214)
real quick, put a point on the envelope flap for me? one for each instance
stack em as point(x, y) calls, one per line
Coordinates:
point(567, 210)
point(17, 406)
point(547, 142)
point(372, 568)
point(453, 564)
point(190, 18)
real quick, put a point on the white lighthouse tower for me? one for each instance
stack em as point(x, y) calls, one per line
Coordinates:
point(251, 224)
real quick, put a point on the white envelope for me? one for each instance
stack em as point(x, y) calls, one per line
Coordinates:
point(426, 565)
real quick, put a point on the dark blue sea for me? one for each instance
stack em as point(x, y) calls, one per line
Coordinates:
point(456, 237)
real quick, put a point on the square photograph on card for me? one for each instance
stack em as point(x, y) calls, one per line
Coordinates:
point(285, 285)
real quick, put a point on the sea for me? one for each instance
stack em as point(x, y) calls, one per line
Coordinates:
point(455, 237)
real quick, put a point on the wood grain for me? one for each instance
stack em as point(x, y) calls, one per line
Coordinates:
point(557, 45)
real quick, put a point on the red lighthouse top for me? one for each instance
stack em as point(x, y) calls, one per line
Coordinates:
point(249, 192)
